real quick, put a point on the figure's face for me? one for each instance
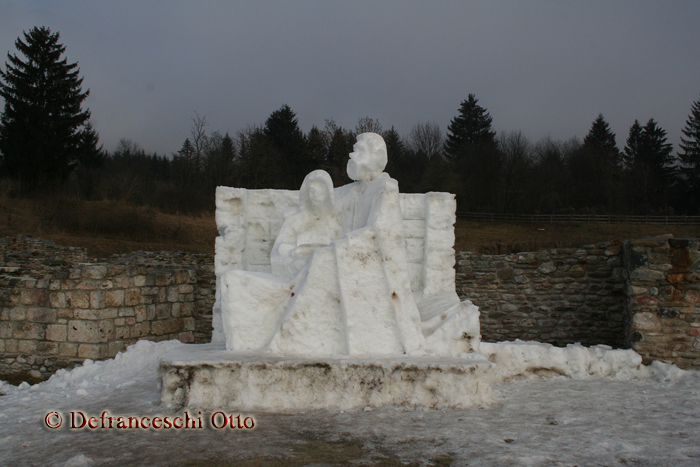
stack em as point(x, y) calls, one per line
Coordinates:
point(317, 194)
point(360, 163)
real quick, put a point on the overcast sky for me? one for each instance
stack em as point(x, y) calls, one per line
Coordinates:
point(541, 67)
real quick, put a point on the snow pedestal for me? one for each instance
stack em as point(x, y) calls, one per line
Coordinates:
point(207, 376)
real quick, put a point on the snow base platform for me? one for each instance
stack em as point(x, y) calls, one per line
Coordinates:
point(206, 376)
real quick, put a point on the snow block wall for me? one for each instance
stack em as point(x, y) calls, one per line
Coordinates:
point(559, 296)
point(663, 299)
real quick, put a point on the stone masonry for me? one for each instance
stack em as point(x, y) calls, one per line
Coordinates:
point(57, 314)
point(57, 308)
point(560, 296)
point(663, 299)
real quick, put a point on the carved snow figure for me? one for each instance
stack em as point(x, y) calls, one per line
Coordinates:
point(358, 295)
point(312, 225)
point(255, 301)
point(342, 298)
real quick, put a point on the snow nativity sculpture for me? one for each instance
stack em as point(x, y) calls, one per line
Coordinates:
point(334, 298)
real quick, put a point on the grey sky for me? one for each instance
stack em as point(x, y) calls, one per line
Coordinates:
point(543, 67)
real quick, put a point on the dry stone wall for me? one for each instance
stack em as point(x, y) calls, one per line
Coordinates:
point(57, 308)
point(55, 313)
point(663, 299)
point(560, 296)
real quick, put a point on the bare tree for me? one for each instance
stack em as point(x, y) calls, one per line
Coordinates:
point(426, 138)
point(366, 125)
point(516, 166)
point(199, 139)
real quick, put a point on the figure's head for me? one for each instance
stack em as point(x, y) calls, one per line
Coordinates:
point(368, 158)
point(316, 193)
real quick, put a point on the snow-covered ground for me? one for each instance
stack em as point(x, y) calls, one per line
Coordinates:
point(650, 417)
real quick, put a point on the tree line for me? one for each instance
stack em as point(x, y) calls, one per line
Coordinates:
point(46, 140)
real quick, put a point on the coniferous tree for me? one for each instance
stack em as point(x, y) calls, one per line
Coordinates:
point(549, 179)
point(44, 133)
point(257, 164)
point(604, 160)
point(472, 127)
point(340, 143)
point(690, 157)
point(405, 165)
point(472, 149)
point(634, 173)
point(316, 146)
point(656, 155)
point(396, 165)
point(651, 167)
point(633, 148)
point(282, 130)
point(220, 156)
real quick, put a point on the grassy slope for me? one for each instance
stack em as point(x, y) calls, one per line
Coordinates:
point(106, 228)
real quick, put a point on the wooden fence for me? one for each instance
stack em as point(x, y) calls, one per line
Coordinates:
point(578, 218)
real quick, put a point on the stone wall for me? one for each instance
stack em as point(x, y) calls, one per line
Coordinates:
point(560, 296)
point(56, 311)
point(663, 294)
point(204, 289)
point(57, 308)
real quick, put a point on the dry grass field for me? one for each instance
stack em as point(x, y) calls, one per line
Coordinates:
point(107, 227)
point(495, 237)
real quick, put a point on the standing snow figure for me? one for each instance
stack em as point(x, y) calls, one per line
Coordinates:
point(311, 225)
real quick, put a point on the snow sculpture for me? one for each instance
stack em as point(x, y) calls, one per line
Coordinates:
point(357, 271)
point(342, 298)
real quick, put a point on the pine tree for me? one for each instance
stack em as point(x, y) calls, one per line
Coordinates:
point(605, 160)
point(472, 127)
point(282, 129)
point(405, 165)
point(651, 165)
point(690, 157)
point(396, 163)
point(44, 133)
point(316, 146)
point(661, 164)
point(473, 152)
point(340, 144)
point(633, 148)
point(601, 141)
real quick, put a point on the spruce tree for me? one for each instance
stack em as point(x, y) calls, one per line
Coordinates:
point(633, 148)
point(44, 133)
point(340, 145)
point(651, 166)
point(605, 161)
point(316, 146)
point(472, 150)
point(472, 127)
point(282, 130)
point(656, 153)
point(690, 157)
point(601, 141)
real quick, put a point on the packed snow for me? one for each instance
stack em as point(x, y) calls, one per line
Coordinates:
point(360, 270)
point(602, 408)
